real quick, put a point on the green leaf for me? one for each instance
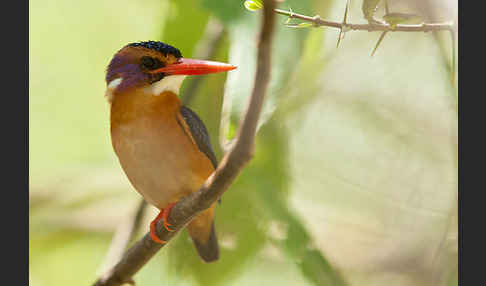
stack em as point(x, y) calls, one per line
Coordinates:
point(178, 25)
point(232, 130)
point(273, 204)
point(227, 11)
point(300, 25)
point(253, 5)
point(369, 8)
point(286, 52)
point(318, 269)
point(304, 87)
point(394, 19)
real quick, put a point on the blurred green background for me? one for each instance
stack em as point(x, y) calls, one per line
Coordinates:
point(354, 180)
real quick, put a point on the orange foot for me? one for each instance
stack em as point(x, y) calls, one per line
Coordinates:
point(164, 214)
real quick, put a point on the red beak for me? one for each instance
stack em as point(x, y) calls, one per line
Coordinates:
point(194, 67)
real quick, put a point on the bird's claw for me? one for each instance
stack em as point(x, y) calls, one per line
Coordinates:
point(164, 215)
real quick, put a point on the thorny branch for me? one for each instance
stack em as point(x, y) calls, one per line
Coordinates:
point(214, 187)
point(317, 21)
point(376, 26)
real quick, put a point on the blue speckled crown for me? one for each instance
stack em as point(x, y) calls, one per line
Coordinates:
point(158, 46)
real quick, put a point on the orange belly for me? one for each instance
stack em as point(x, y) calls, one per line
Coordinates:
point(158, 156)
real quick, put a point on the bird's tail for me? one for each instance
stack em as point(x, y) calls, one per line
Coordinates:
point(203, 234)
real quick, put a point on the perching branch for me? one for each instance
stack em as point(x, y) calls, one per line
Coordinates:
point(214, 187)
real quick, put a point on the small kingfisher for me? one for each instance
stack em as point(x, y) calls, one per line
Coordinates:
point(162, 145)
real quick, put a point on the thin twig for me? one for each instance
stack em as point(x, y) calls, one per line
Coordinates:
point(229, 168)
point(378, 26)
point(379, 41)
point(317, 21)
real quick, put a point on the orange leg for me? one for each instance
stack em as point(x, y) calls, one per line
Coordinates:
point(164, 214)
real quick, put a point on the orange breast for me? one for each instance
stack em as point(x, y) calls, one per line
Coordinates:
point(159, 157)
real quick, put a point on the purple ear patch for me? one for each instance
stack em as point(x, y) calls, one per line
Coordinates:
point(131, 74)
point(131, 78)
point(115, 68)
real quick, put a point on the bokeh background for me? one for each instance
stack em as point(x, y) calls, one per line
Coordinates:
point(354, 180)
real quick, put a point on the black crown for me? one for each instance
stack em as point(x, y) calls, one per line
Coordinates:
point(158, 46)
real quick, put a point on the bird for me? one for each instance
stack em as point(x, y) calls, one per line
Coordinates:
point(162, 146)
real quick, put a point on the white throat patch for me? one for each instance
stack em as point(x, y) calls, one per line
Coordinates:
point(169, 83)
point(111, 87)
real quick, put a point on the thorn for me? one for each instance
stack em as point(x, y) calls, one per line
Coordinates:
point(346, 13)
point(379, 41)
point(289, 16)
point(339, 38)
point(343, 25)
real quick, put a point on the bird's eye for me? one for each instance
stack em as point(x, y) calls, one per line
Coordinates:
point(148, 63)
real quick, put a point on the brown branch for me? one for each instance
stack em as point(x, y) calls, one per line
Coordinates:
point(317, 21)
point(229, 168)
